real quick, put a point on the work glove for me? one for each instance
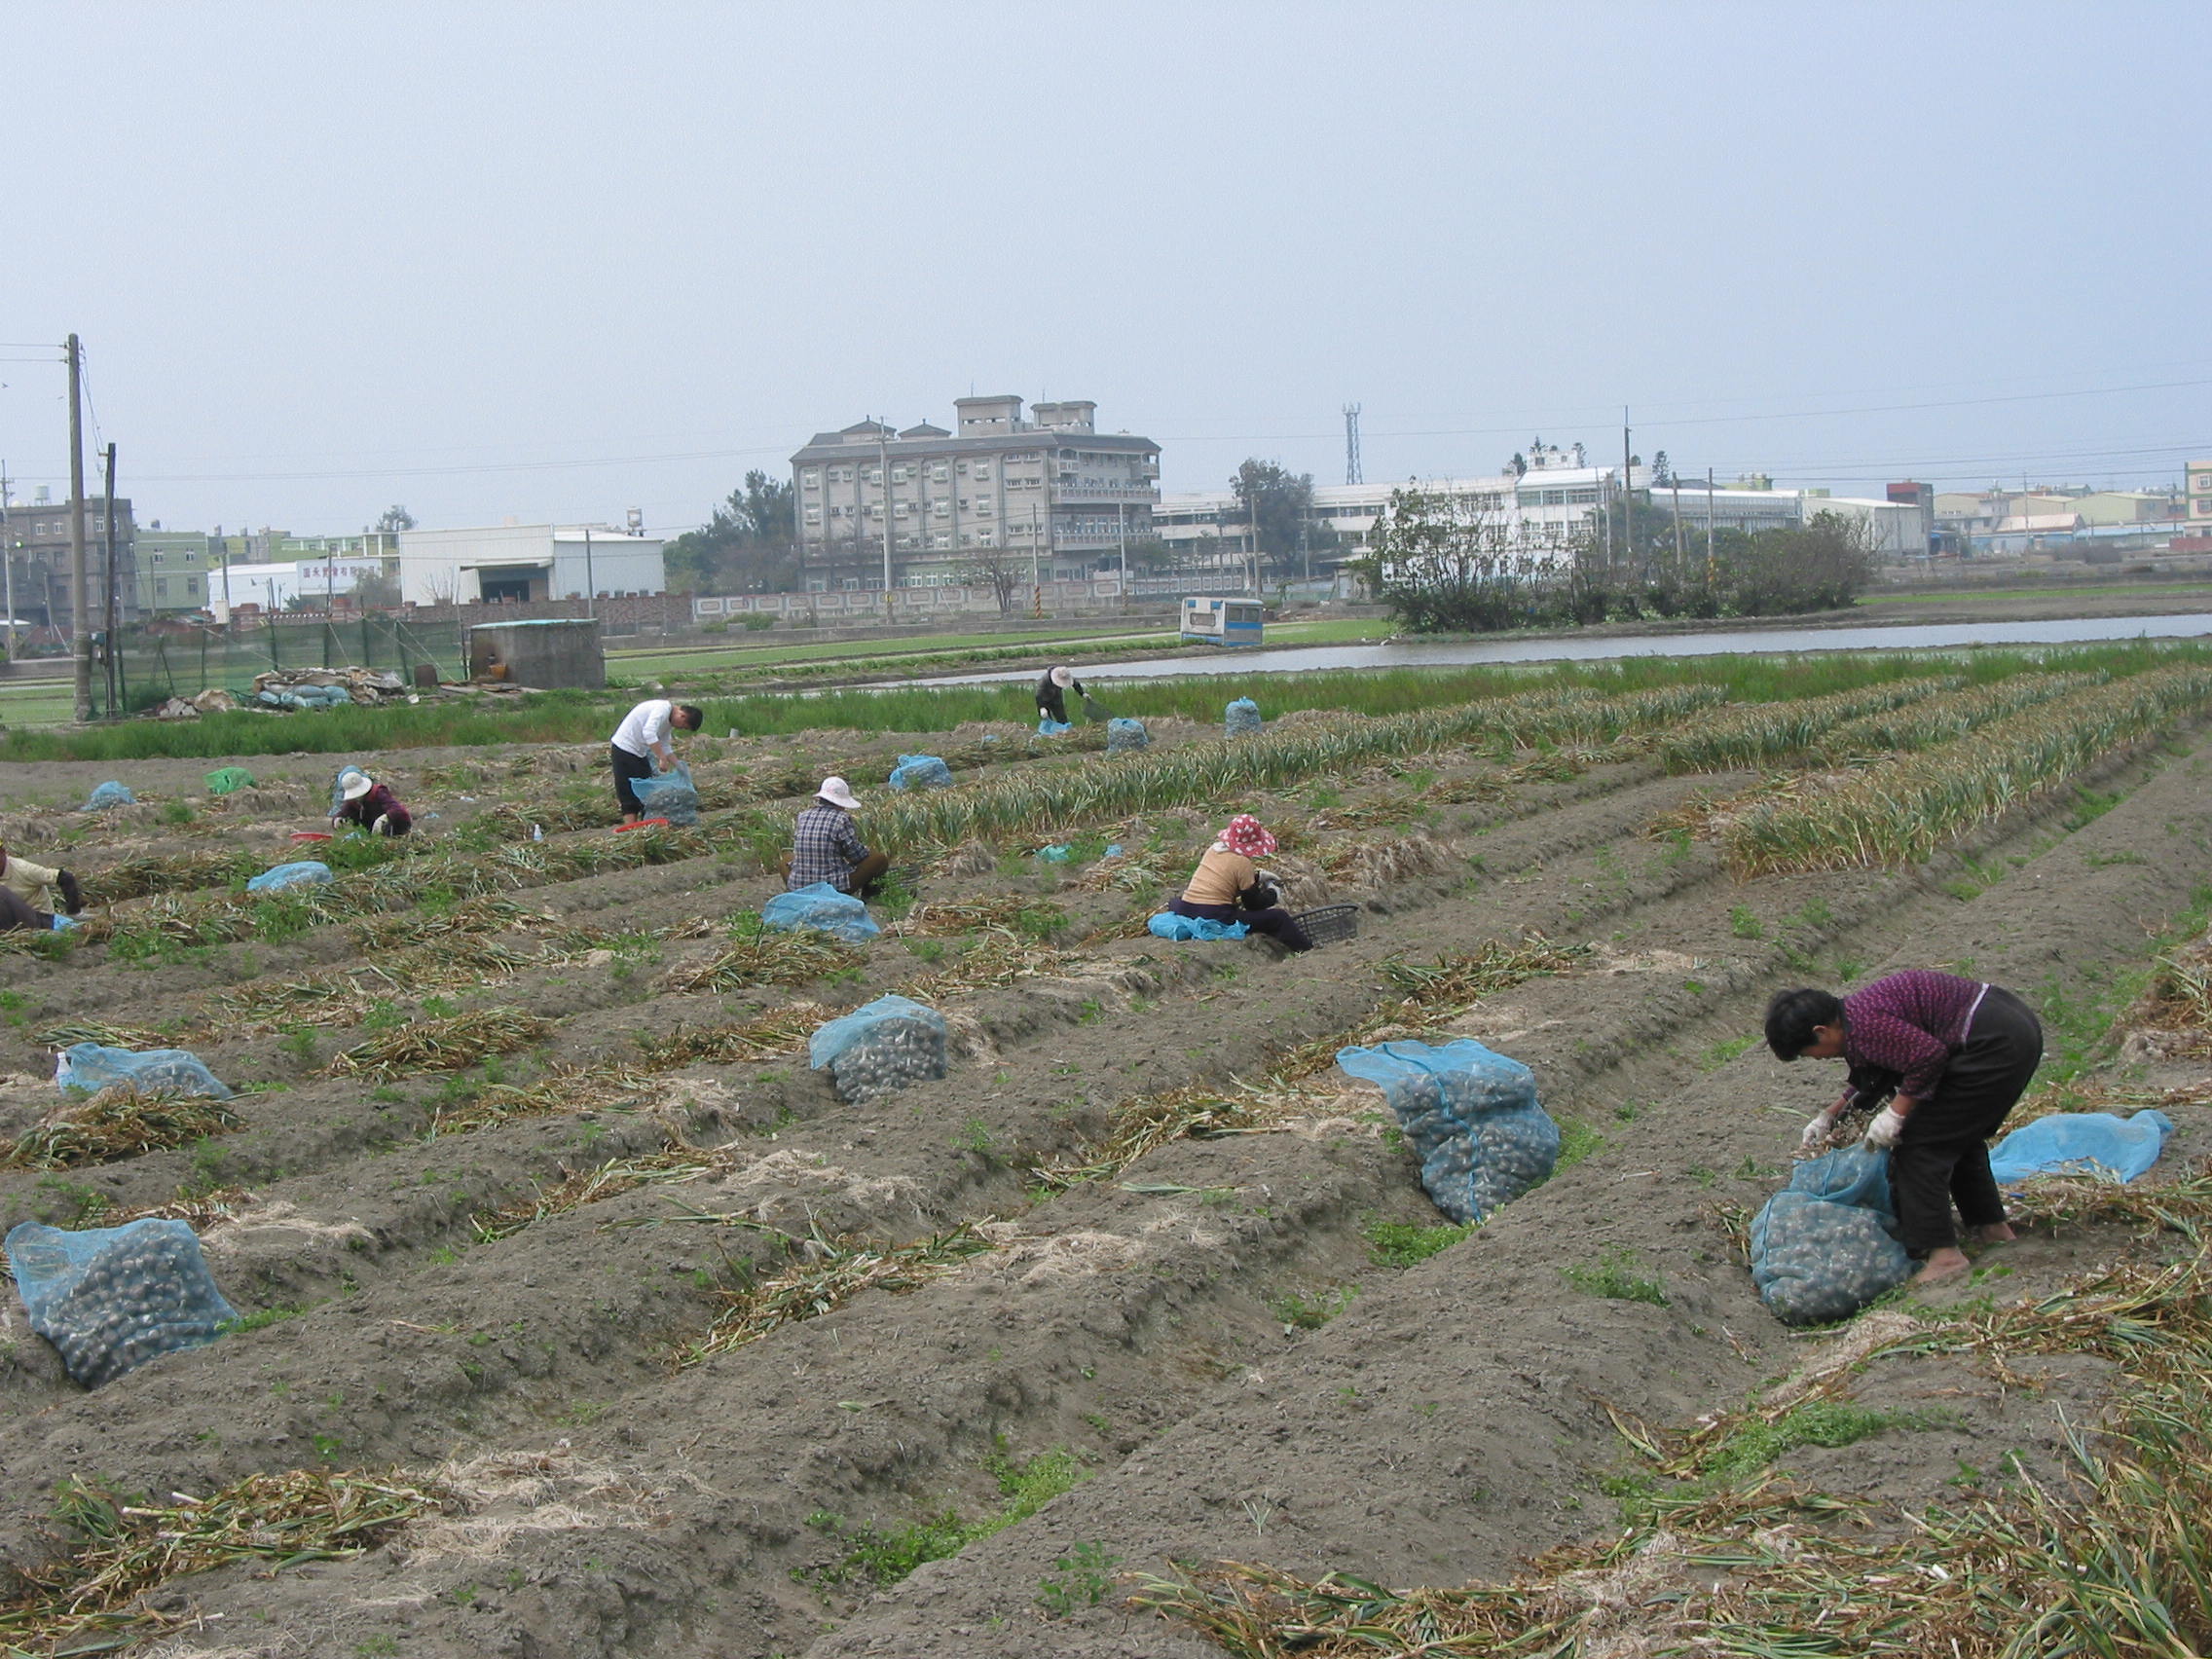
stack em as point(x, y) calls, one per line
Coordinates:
point(72, 895)
point(382, 824)
point(1882, 1133)
point(1818, 1127)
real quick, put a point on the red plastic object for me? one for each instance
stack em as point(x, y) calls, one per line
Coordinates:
point(643, 824)
point(310, 835)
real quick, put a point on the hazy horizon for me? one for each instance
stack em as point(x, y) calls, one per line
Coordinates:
point(540, 262)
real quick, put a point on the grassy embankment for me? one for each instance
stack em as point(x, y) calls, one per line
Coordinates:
point(576, 717)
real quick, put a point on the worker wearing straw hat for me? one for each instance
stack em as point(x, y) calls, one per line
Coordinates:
point(1052, 693)
point(1229, 886)
point(370, 805)
point(826, 847)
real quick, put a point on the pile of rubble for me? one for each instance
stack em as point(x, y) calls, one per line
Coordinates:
point(296, 689)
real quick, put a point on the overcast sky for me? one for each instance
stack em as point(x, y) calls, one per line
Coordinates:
point(548, 260)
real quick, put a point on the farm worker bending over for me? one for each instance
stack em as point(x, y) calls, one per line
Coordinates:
point(1228, 886)
point(1955, 1055)
point(826, 847)
point(1052, 693)
point(371, 805)
point(642, 747)
point(37, 886)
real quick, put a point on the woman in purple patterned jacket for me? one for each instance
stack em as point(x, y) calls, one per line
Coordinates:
point(1953, 1057)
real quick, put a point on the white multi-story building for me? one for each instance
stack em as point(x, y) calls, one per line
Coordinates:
point(1050, 491)
point(527, 561)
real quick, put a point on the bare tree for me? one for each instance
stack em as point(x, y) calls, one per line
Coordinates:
point(999, 569)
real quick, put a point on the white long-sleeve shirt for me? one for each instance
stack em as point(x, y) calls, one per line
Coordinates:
point(643, 730)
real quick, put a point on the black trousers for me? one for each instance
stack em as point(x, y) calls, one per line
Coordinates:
point(627, 768)
point(1942, 1156)
point(1274, 920)
point(15, 913)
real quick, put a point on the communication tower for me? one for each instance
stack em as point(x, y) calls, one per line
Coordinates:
point(1351, 445)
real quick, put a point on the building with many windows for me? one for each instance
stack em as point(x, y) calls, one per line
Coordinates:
point(39, 564)
point(1048, 494)
point(173, 571)
point(2199, 496)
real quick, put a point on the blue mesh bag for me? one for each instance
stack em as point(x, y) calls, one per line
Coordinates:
point(668, 795)
point(1825, 1245)
point(880, 1049)
point(1168, 925)
point(1046, 726)
point(107, 794)
point(2082, 1143)
point(1123, 736)
point(111, 1297)
point(1243, 718)
point(921, 772)
point(91, 1067)
point(307, 872)
point(823, 907)
point(1471, 1116)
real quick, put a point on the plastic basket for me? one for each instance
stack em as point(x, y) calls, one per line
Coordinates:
point(1331, 924)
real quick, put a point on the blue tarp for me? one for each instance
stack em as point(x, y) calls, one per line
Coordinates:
point(1168, 925)
point(2082, 1143)
point(921, 772)
point(107, 794)
point(312, 872)
point(823, 907)
point(1046, 726)
point(1470, 1113)
point(94, 1066)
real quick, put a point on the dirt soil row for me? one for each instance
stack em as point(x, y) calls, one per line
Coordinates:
point(1207, 1335)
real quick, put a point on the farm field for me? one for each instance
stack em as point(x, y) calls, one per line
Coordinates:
point(581, 1316)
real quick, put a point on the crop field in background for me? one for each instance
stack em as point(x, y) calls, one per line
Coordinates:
point(578, 1315)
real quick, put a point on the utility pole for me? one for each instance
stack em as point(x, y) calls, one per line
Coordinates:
point(1709, 567)
point(1036, 568)
point(1628, 496)
point(107, 522)
point(883, 456)
point(80, 622)
point(1121, 535)
point(1676, 483)
point(8, 554)
point(1252, 503)
point(591, 586)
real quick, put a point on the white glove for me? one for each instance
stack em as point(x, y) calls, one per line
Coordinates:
point(1816, 1128)
point(1882, 1133)
point(383, 825)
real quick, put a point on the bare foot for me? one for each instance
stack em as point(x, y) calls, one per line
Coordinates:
point(1941, 1265)
point(2000, 1234)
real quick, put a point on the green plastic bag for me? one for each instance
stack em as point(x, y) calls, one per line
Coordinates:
point(229, 780)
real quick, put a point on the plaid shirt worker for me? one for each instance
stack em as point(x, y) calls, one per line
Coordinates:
point(825, 847)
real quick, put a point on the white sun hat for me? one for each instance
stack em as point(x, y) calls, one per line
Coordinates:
point(356, 785)
point(838, 793)
point(1063, 677)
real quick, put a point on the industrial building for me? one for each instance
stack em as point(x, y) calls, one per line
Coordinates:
point(924, 506)
point(1546, 508)
point(528, 562)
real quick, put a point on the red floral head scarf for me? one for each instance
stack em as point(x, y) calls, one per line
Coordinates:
point(1246, 838)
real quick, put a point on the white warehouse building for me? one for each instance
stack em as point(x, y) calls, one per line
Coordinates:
point(526, 560)
point(1544, 507)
